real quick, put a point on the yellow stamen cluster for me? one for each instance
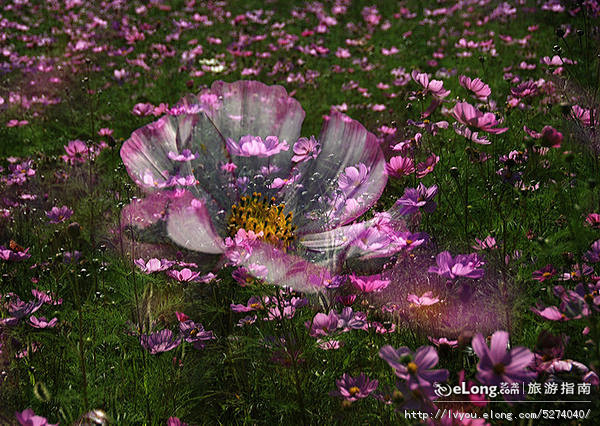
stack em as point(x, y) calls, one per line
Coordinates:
point(259, 214)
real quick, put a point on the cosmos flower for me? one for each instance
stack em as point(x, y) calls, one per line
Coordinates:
point(302, 227)
point(354, 388)
point(463, 265)
point(194, 333)
point(478, 87)
point(468, 115)
point(254, 303)
point(417, 198)
point(28, 418)
point(77, 152)
point(414, 367)
point(15, 255)
point(399, 166)
point(435, 87)
point(160, 341)
point(427, 299)
point(153, 265)
point(368, 284)
point(498, 364)
point(306, 149)
point(59, 214)
point(544, 274)
point(42, 322)
point(323, 325)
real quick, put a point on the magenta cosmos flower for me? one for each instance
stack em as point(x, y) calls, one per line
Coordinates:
point(463, 265)
point(414, 367)
point(59, 214)
point(247, 139)
point(497, 364)
point(29, 418)
point(468, 115)
point(354, 388)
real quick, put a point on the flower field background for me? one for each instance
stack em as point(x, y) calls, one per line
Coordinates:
point(315, 213)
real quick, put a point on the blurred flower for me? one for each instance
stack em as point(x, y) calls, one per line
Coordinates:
point(463, 265)
point(77, 152)
point(368, 284)
point(42, 322)
point(427, 299)
point(194, 333)
point(28, 418)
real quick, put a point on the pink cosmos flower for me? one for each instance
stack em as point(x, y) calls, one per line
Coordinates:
point(498, 364)
point(245, 126)
point(143, 109)
point(426, 167)
point(59, 214)
point(478, 87)
point(28, 418)
point(16, 255)
point(551, 137)
point(42, 322)
point(544, 274)
point(160, 341)
point(593, 220)
point(306, 149)
point(400, 166)
point(427, 299)
point(468, 115)
point(368, 284)
point(253, 304)
point(185, 155)
point(528, 88)
point(185, 275)
point(488, 243)
point(463, 265)
point(414, 367)
point(443, 341)
point(255, 146)
point(435, 87)
point(584, 115)
point(153, 265)
point(323, 325)
point(77, 152)
point(354, 388)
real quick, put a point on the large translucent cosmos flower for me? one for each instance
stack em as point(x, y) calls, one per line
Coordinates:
point(242, 133)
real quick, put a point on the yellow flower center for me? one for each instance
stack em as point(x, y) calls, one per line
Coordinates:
point(412, 367)
point(546, 274)
point(258, 214)
point(409, 242)
point(354, 390)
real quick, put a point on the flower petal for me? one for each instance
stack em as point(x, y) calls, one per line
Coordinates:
point(189, 225)
point(284, 269)
point(344, 143)
point(253, 108)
